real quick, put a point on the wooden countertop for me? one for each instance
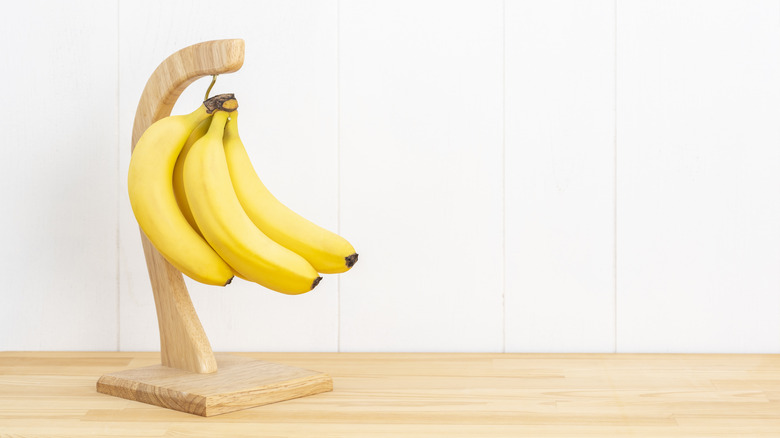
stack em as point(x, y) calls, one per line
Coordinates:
point(420, 395)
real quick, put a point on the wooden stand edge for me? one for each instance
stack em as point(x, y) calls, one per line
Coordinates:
point(239, 383)
point(191, 378)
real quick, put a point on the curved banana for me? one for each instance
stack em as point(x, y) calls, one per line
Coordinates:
point(178, 172)
point(154, 204)
point(178, 178)
point(328, 252)
point(228, 229)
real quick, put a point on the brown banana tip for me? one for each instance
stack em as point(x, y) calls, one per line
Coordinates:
point(351, 260)
point(315, 282)
point(230, 280)
point(222, 102)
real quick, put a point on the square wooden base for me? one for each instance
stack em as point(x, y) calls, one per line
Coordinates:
point(239, 383)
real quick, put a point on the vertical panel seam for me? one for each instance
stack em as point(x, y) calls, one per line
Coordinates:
point(338, 164)
point(503, 177)
point(614, 184)
point(118, 191)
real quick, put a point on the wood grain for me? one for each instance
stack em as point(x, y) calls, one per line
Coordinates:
point(239, 383)
point(183, 342)
point(422, 395)
point(176, 72)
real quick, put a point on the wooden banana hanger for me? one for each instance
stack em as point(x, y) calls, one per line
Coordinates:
point(191, 378)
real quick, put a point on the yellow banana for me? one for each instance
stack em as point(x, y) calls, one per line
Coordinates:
point(154, 204)
point(178, 172)
point(178, 178)
point(328, 252)
point(226, 226)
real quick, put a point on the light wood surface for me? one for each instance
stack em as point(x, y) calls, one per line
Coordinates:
point(183, 342)
point(421, 395)
point(239, 383)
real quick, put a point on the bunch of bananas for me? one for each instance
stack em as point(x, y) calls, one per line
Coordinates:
point(198, 199)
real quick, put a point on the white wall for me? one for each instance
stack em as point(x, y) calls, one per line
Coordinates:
point(516, 175)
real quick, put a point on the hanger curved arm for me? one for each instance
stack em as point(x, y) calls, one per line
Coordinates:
point(183, 342)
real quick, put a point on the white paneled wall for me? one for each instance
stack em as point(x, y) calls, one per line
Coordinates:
point(420, 155)
point(516, 175)
point(560, 182)
point(698, 194)
point(59, 176)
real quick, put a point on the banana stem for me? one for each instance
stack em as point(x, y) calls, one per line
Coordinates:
point(221, 102)
point(213, 81)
